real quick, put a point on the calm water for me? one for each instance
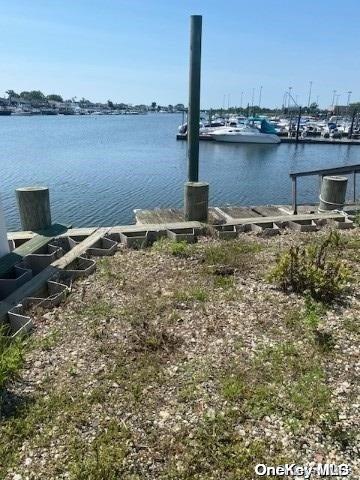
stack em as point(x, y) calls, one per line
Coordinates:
point(99, 168)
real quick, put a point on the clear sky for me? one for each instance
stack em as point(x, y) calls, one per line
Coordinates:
point(136, 51)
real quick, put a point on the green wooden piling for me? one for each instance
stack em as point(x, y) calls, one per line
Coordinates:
point(194, 98)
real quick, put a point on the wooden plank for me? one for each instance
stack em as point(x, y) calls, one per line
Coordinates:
point(80, 248)
point(267, 210)
point(238, 212)
point(215, 216)
point(159, 215)
point(80, 232)
point(21, 235)
point(155, 227)
point(286, 218)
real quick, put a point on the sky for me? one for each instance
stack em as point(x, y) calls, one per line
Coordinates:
point(137, 51)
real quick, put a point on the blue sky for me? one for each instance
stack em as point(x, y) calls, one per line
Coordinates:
point(136, 51)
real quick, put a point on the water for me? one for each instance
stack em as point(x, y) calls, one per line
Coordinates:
point(99, 168)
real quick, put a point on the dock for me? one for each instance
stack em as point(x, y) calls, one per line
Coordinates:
point(233, 214)
point(306, 140)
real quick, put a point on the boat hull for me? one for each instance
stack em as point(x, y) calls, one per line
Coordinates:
point(247, 138)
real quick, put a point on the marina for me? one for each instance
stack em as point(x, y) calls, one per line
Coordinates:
point(178, 285)
point(306, 140)
point(143, 166)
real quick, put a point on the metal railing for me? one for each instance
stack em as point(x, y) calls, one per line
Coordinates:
point(345, 170)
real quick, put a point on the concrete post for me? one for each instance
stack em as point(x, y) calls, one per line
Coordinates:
point(34, 207)
point(196, 193)
point(4, 244)
point(333, 193)
point(196, 201)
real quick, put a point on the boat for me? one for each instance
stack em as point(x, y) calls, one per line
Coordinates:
point(21, 112)
point(247, 133)
point(49, 111)
point(5, 112)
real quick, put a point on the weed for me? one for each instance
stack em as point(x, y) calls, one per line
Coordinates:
point(11, 358)
point(105, 456)
point(314, 269)
point(178, 249)
point(279, 380)
point(195, 293)
point(352, 325)
point(313, 313)
point(217, 451)
point(224, 282)
point(232, 255)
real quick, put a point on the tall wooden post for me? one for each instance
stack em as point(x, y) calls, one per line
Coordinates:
point(352, 124)
point(194, 97)
point(196, 193)
point(4, 244)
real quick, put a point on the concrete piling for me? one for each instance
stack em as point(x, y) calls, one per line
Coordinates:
point(196, 201)
point(333, 193)
point(34, 207)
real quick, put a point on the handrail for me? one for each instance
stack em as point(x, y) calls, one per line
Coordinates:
point(346, 169)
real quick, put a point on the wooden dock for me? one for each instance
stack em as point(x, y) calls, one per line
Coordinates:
point(306, 140)
point(231, 214)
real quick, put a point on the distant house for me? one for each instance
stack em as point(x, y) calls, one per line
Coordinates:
point(340, 109)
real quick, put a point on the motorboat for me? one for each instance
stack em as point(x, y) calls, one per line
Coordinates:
point(5, 112)
point(247, 133)
point(21, 112)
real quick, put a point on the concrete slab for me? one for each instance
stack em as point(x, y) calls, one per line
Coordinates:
point(182, 235)
point(225, 232)
point(303, 225)
point(268, 229)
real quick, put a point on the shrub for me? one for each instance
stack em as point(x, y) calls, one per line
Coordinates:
point(314, 269)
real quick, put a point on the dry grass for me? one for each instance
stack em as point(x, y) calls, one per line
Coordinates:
point(182, 362)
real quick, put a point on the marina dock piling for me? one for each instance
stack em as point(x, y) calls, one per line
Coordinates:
point(298, 126)
point(34, 207)
point(196, 193)
point(333, 193)
point(196, 201)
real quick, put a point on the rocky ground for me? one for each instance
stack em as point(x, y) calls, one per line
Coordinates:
point(185, 362)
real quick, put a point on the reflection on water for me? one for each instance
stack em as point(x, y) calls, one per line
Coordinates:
point(100, 168)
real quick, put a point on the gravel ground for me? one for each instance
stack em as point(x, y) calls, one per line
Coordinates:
point(162, 366)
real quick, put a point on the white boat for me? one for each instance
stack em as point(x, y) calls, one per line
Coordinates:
point(21, 112)
point(245, 134)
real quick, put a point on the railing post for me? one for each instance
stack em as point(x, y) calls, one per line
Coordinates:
point(4, 244)
point(294, 195)
point(354, 189)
